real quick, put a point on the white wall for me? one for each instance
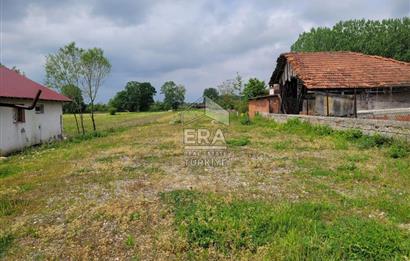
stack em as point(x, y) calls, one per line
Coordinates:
point(36, 129)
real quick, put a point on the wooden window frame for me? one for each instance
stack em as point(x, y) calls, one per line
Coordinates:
point(19, 115)
point(39, 109)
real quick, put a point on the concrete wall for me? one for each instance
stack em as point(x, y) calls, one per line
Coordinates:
point(36, 129)
point(368, 126)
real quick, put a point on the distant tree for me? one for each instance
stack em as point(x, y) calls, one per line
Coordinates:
point(94, 68)
point(98, 107)
point(76, 104)
point(388, 38)
point(254, 88)
point(119, 101)
point(211, 93)
point(238, 84)
point(136, 97)
point(64, 69)
point(230, 92)
point(174, 95)
point(231, 86)
point(157, 106)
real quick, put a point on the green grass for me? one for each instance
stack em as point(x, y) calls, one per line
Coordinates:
point(289, 191)
point(299, 230)
point(242, 141)
point(105, 121)
point(5, 242)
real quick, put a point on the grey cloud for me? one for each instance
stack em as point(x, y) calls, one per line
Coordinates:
point(197, 43)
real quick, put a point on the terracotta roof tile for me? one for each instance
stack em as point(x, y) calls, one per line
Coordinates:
point(344, 70)
point(14, 85)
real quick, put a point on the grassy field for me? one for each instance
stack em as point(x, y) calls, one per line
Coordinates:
point(289, 191)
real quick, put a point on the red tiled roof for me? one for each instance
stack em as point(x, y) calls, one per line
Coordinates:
point(14, 85)
point(331, 70)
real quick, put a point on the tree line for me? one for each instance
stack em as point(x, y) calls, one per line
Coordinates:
point(389, 38)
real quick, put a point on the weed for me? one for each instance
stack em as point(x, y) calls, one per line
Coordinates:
point(242, 141)
point(130, 241)
point(135, 216)
point(348, 166)
point(398, 150)
point(8, 170)
point(321, 172)
point(5, 242)
point(245, 119)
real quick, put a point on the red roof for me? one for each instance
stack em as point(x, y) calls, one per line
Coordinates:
point(14, 85)
point(331, 70)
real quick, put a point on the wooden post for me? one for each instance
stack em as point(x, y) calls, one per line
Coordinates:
point(307, 105)
point(355, 103)
point(327, 102)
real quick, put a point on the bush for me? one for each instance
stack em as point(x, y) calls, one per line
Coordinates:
point(352, 135)
point(398, 151)
point(112, 111)
point(245, 119)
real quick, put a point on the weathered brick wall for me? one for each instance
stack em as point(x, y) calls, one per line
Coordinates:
point(400, 129)
point(269, 104)
point(261, 106)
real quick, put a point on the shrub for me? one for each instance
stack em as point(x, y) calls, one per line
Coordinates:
point(245, 119)
point(398, 151)
point(112, 110)
point(352, 134)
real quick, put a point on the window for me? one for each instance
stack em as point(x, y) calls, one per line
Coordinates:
point(40, 109)
point(19, 115)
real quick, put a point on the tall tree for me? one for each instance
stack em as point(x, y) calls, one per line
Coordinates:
point(174, 94)
point(388, 38)
point(136, 97)
point(211, 93)
point(254, 88)
point(63, 69)
point(95, 67)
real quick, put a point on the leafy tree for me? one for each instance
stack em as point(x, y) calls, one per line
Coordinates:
point(76, 104)
point(211, 93)
point(157, 106)
point(254, 88)
point(94, 68)
point(119, 101)
point(64, 69)
point(388, 38)
point(174, 95)
point(136, 97)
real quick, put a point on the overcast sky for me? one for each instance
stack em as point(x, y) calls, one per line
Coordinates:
point(196, 43)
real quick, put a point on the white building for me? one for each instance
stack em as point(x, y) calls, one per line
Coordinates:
point(22, 127)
